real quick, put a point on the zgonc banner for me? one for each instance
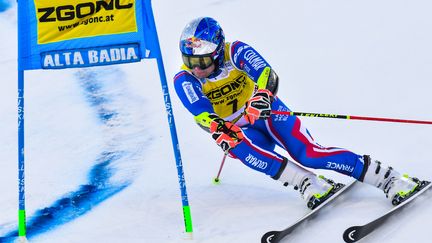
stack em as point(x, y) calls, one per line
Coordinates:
point(82, 33)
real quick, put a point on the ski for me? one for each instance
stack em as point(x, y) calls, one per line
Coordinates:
point(356, 233)
point(276, 236)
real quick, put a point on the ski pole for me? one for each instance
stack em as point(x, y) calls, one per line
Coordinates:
point(349, 117)
point(216, 179)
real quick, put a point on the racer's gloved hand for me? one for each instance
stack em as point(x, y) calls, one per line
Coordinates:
point(226, 134)
point(259, 106)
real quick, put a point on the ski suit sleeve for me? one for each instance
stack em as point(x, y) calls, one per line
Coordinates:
point(247, 59)
point(189, 90)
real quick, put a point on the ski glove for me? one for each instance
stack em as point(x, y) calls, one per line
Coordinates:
point(226, 134)
point(259, 106)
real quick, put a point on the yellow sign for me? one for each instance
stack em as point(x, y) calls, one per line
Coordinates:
point(71, 19)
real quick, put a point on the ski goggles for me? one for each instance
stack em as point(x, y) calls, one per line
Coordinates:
point(203, 62)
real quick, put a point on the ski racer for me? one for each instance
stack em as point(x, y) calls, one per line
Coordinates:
point(230, 89)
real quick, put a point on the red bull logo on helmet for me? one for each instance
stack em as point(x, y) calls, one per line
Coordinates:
point(193, 42)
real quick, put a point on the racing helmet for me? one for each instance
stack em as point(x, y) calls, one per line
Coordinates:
point(202, 43)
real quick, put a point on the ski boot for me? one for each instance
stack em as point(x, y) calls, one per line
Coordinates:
point(313, 189)
point(396, 187)
point(317, 189)
point(402, 195)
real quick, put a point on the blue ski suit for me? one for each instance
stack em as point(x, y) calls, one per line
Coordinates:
point(225, 93)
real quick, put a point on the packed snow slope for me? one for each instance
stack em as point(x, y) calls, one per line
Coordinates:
point(99, 161)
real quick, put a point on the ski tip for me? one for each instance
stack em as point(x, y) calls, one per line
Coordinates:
point(270, 237)
point(351, 234)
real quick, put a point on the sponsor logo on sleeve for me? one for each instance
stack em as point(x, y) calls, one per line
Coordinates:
point(239, 50)
point(254, 60)
point(190, 92)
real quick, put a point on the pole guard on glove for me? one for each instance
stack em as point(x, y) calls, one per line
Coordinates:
point(259, 106)
point(226, 134)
